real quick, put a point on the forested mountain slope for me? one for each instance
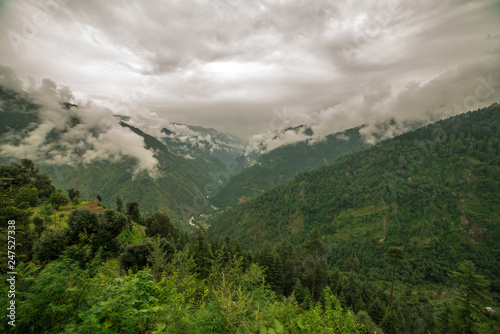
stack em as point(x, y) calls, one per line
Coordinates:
point(434, 191)
point(279, 165)
point(178, 180)
point(200, 142)
point(80, 270)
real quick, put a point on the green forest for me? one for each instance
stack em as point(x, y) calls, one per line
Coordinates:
point(287, 161)
point(179, 180)
point(401, 237)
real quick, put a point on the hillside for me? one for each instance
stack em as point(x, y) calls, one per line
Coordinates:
point(177, 182)
point(180, 180)
point(17, 111)
point(82, 267)
point(200, 142)
point(279, 165)
point(433, 191)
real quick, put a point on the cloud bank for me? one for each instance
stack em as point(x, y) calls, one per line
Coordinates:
point(232, 64)
point(78, 135)
point(385, 113)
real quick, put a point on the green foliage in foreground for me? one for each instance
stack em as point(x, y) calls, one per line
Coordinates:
point(96, 279)
point(63, 298)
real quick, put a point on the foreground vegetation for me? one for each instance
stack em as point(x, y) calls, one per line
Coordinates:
point(400, 238)
point(115, 271)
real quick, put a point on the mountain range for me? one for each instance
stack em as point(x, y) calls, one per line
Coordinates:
point(433, 190)
point(190, 170)
point(305, 211)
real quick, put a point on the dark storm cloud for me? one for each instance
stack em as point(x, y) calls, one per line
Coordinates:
point(236, 65)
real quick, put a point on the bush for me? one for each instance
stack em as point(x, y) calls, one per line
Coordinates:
point(82, 220)
point(159, 225)
point(111, 223)
point(53, 299)
point(135, 256)
point(50, 245)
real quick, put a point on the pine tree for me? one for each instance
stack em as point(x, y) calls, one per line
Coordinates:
point(364, 318)
point(336, 281)
point(395, 256)
point(353, 265)
point(286, 257)
point(445, 317)
point(119, 204)
point(133, 211)
point(390, 323)
point(471, 293)
point(201, 253)
point(316, 248)
point(376, 310)
point(157, 258)
point(271, 265)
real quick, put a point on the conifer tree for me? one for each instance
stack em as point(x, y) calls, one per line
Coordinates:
point(119, 204)
point(391, 322)
point(471, 294)
point(157, 258)
point(395, 256)
point(376, 310)
point(352, 265)
point(316, 248)
point(201, 253)
point(271, 264)
point(133, 211)
point(445, 317)
point(288, 265)
point(336, 281)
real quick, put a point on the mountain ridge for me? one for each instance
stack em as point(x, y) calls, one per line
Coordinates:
point(431, 188)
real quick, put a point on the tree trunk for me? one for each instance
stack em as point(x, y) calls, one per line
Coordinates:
point(392, 286)
point(314, 278)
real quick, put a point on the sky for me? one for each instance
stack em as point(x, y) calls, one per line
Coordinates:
point(249, 68)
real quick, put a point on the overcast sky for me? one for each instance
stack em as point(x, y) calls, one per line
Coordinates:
point(244, 67)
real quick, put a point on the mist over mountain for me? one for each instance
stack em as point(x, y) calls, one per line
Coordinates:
point(197, 141)
point(55, 134)
point(56, 129)
point(265, 166)
point(88, 147)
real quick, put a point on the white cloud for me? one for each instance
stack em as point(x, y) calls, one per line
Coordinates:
point(77, 135)
point(228, 67)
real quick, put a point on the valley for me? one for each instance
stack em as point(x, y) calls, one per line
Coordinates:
point(317, 222)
